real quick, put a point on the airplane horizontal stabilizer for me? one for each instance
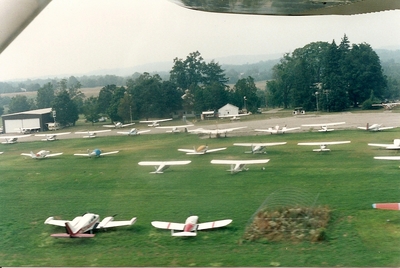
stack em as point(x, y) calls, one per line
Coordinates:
point(388, 206)
point(213, 224)
point(65, 235)
point(184, 234)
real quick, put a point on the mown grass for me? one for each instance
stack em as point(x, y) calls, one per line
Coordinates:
point(347, 179)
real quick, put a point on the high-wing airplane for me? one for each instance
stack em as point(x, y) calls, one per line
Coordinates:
point(41, 154)
point(203, 149)
point(233, 117)
point(52, 136)
point(190, 227)
point(216, 132)
point(96, 153)
point(374, 127)
point(160, 166)
point(88, 222)
point(323, 145)
point(394, 146)
point(119, 125)
point(324, 127)
point(155, 123)
point(91, 134)
point(388, 206)
point(239, 165)
point(133, 132)
point(176, 129)
point(258, 148)
point(12, 139)
point(277, 130)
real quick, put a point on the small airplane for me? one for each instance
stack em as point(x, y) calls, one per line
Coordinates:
point(41, 154)
point(233, 116)
point(190, 227)
point(277, 130)
point(394, 146)
point(155, 123)
point(324, 127)
point(88, 222)
point(133, 132)
point(374, 127)
point(52, 136)
point(119, 125)
point(258, 148)
point(239, 165)
point(203, 149)
point(388, 206)
point(387, 106)
point(216, 132)
point(91, 134)
point(323, 145)
point(176, 129)
point(12, 139)
point(160, 166)
point(96, 153)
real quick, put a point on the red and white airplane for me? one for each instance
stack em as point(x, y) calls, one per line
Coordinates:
point(323, 145)
point(41, 154)
point(190, 227)
point(394, 146)
point(203, 149)
point(12, 139)
point(277, 130)
point(88, 222)
point(96, 153)
point(176, 129)
point(258, 148)
point(217, 132)
point(91, 134)
point(155, 123)
point(239, 165)
point(160, 166)
point(374, 127)
point(119, 125)
point(388, 206)
point(52, 136)
point(133, 132)
point(324, 127)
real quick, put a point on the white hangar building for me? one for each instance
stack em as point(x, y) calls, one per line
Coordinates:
point(228, 109)
point(34, 120)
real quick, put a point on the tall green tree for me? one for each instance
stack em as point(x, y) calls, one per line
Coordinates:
point(66, 110)
point(245, 95)
point(20, 103)
point(91, 109)
point(45, 96)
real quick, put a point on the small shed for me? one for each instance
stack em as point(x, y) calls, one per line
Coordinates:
point(34, 120)
point(228, 109)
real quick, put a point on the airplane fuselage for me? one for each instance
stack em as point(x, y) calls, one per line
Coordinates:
point(191, 224)
point(84, 223)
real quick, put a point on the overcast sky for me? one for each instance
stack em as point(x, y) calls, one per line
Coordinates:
point(75, 37)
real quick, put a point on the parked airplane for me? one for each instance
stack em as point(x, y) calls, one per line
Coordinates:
point(323, 145)
point(277, 130)
point(12, 139)
point(52, 136)
point(119, 125)
point(176, 129)
point(133, 132)
point(190, 227)
point(96, 153)
point(387, 106)
point(91, 134)
point(160, 166)
point(88, 222)
point(41, 154)
point(203, 149)
point(155, 123)
point(388, 206)
point(324, 127)
point(394, 146)
point(233, 116)
point(374, 127)
point(258, 148)
point(216, 132)
point(239, 165)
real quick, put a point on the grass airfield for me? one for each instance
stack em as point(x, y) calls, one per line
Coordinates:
point(347, 180)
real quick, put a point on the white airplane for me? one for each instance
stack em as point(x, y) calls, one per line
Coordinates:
point(160, 166)
point(91, 134)
point(190, 227)
point(277, 130)
point(394, 146)
point(133, 132)
point(155, 123)
point(258, 148)
point(239, 165)
point(52, 136)
point(374, 127)
point(216, 132)
point(119, 125)
point(13, 139)
point(387, 106)
point(387, 158)
point(388, 206)
point(88, 222)
point(323, 145)
point(41, 154)
point(233, 116)
point(203, 149)
point(96, 153)
point(324, 127)
point(176, 129)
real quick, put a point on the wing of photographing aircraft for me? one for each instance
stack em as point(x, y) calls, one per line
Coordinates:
point(394, 146)
point(160, 166)
point(203, 149)
point(258, 147)
point(239, 165)
point(323, 145)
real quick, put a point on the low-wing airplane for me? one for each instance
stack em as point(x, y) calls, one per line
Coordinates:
point(133, 132)
point(52, 136)
point(216, 132)
point(233, 116)
point(190, 227)
point(160, 166)
point(42, 154)
point(155, 123)
point(119, 125)
point(91, 134)
point(394, 146)
point(277, 130)
point(96, 153)
point(88, 222)
point(176, 129)
point(203, 149)
point(324, 127)
point(258, 148)
point(239, 165)
point(388, 206)
point(323, 145)
point(374, 127)
point(12, 139)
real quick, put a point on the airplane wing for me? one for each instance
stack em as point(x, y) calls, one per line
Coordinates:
point(327, 124)
point(187, 150)
point(260, 144)
point(323, 143)
point(51, 155)
point(165, 163)
point(127, 125)
point(109, 222)
point(57, 134)
point(389, 206)
point(168, 225)
point(215, 150)
point(387, 157)
point(269, 130)
point(234, 162)
point(383, 128)
point(380, 145)
point(113, 152)
point(213, 224)
point(110, 126)
point(96, 131)
point(11, 137)
point(25, 154)
point(83, 155)
point(52, 221)
point(230, 129)
point(176, 126)
point(155, 121)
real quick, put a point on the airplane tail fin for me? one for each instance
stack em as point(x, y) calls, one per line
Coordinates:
point(70, 229)
point(33, 155)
